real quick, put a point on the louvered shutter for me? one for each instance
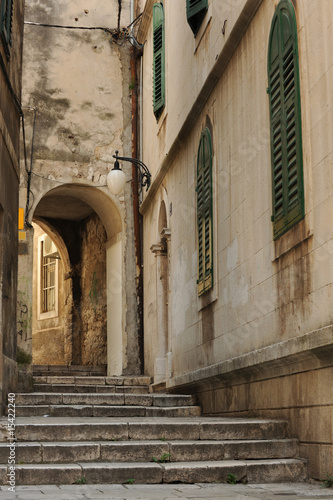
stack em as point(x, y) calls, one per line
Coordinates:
point(286, 137)
point(159, 60)
point(195, 12)
point(204, 213)
point(6, 21)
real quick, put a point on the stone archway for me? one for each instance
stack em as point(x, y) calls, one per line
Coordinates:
point(61, 209)
point(161, 250)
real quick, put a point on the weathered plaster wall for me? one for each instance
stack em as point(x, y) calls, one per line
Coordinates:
point(261, 342)
point(77, 99)
point(10, 84)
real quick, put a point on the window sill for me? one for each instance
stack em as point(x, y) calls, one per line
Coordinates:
point(296, 235)
point(207, 298)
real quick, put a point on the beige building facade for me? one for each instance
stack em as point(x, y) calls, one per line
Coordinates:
point(77, 298)
point(238, 263)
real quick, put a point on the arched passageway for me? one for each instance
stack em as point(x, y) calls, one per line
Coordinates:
point(86, 325)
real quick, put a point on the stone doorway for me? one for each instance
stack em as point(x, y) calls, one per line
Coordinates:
point(82, 226)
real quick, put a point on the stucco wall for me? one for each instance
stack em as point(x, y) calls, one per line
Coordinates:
point(76, 93)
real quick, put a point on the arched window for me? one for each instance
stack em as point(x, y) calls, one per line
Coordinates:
point(285, 117)
point(205, 213)
point(159, 60)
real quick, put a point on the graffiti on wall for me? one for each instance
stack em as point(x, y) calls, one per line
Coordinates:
point(23, 321)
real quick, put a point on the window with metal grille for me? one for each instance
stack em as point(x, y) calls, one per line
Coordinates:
point(205, 213)
point(195, 12)
point(158, 60)
point(6, 23)
point(285, 118)
point(48, 284)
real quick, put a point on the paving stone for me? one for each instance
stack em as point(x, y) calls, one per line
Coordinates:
point(90, 380)
point(71, 431)
point(137, 380)
point(114, 380)
point(183, 451)
point(119, 411)
point(157, 430)
point(256, 449)
point(71, 411)
point(139, 399)
point(183, 412)
point(172, 400)
point(70, 452)
point(48, 474)
point(24, 452)
point(38, 398)
point(271, 471)
point(122, 472)
point(130, 389)
point(193, 472)
point(133, 451)
point(93, 399)
point(60, 380)
point(239, 429)
point(106, 388)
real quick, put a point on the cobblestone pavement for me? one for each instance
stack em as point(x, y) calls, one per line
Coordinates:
point(292, 491)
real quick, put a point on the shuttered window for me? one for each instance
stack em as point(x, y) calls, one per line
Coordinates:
point(196, 11)
point(285, 116)
point(6, 23)
point(159, 60)
point(204, 213)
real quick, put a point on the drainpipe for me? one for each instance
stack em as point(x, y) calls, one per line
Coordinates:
point(136, 213)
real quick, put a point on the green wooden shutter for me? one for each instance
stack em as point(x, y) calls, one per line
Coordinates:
point(159, 60)
point(204, 213)
point(285, 115)
point(6, 21)
point(195, 12)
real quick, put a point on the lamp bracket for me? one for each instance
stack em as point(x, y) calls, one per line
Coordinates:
point(144, 174)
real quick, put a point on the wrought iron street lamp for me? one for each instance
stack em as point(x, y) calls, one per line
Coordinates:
point(116, 178)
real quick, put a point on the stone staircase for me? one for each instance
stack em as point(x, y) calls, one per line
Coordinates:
point(81, 426)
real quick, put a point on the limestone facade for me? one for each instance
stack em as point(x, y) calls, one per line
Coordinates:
point(260, 341)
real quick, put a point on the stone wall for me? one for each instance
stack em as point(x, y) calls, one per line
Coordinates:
point(260, 343)
point(10, 84)
point(93, 286)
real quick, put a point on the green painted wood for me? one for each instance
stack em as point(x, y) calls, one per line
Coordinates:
point(195, 12)
point(285, 117)
point(158, 60)
point(205, 213)
point(6, 22)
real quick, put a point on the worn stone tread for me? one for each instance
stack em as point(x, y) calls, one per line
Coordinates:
point(138, 451)
point(291, 470)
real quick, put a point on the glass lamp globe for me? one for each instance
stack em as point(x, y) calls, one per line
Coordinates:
point(116, 180)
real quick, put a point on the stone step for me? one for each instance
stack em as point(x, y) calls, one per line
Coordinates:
point(92, 380)
point(101, 410)
point(72, 388)
point(251, 471)
point(45, 370)
point(116, 429)
point(149, 451)
point(49, 398)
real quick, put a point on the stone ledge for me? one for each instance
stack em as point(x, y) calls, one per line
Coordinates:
point(310, 351)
